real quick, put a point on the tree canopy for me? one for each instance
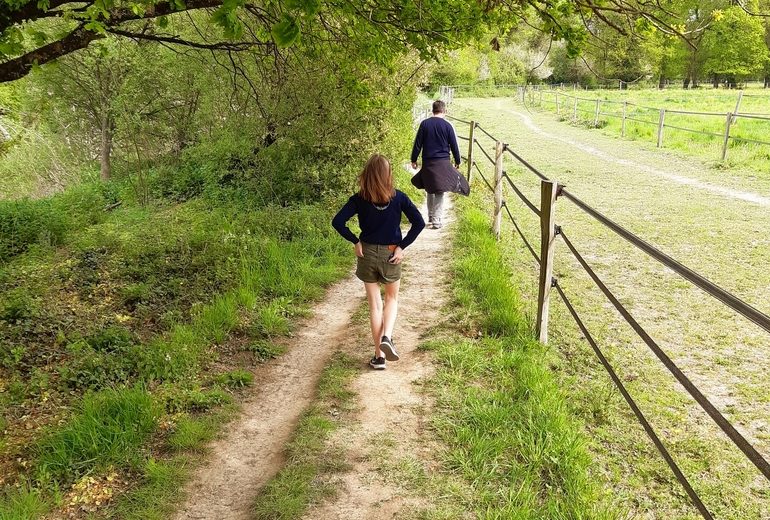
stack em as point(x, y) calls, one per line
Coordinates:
point(34, 32)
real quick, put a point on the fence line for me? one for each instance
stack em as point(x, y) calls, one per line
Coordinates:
point(528, 93)
point(550, 191)
point(672, 84)
point(634, 407)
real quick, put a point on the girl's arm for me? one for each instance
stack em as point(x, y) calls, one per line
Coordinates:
point(415, 218)
point(339, 222)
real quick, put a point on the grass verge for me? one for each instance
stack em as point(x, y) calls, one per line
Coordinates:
point(311, 459)
point(725, 356)
point(510, 437)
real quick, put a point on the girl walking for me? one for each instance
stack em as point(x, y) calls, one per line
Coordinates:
point(380, 247)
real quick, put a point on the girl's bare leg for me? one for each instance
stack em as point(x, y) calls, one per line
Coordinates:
point(391, 309)
point(375, 314)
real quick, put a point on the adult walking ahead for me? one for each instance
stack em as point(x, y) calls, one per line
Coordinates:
point(436, 139)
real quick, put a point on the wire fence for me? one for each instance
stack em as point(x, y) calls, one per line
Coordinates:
point(573, 107)
point(618, 84)
point(550, 232)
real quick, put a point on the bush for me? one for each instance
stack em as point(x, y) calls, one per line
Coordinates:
point(108, 429)
point(46, 222)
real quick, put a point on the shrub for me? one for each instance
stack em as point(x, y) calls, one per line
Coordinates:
point(26, 222)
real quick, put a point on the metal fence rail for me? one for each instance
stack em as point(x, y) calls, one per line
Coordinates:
point(549, 231)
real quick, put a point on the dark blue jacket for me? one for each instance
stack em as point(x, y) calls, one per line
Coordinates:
point(380, 225)
point(435, 137)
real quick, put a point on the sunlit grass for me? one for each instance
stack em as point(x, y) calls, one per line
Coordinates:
point(643, 116)
point(510, 436)
point(717, 235)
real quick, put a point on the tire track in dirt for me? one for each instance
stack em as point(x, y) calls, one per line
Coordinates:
point(635, 165)
point(392, 412)
point(251, 450)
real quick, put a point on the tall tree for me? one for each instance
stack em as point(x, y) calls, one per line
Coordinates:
point(735, 46)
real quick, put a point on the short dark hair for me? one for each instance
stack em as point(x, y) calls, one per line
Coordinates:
point(439, 107)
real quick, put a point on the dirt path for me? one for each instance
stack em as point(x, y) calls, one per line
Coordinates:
point(250, 451)
point(392, 411)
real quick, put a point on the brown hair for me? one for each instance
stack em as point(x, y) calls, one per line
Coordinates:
point(376, 180)
point(439, 107)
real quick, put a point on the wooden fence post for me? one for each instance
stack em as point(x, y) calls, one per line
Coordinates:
point(661, 122)
point(596, 114)
point(498, 189)
point(558, 109)
point(470, 151)
point(548, 192)
point(623, 120)
point(574, 111)
point(737, 106)
point(726, 142)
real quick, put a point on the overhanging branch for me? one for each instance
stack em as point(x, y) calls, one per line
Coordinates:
point(218, 46)
point(20, 67)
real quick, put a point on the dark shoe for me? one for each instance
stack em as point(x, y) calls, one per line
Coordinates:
point(389, 349)
point(377, 363)
point(437, 225)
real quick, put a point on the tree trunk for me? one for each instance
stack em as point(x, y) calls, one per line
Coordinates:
point(767, 81)
point(716, 81)
point(662, 82)
point(106, 149)
point(686, 83)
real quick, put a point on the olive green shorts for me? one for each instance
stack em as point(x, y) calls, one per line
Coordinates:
point(374, 266)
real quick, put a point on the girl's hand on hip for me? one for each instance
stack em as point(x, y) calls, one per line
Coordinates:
point(359, 249)
point(398, 255)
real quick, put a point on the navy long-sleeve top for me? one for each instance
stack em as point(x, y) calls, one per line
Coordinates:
point(380, 225)
point(436, 138)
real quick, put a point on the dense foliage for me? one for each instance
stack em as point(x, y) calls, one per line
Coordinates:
point(716, 41)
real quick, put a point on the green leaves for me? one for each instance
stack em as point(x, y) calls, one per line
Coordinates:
point(309, 7)
point(227, 18)
point(12, 42)
point(735, 44)
point(286, 32)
